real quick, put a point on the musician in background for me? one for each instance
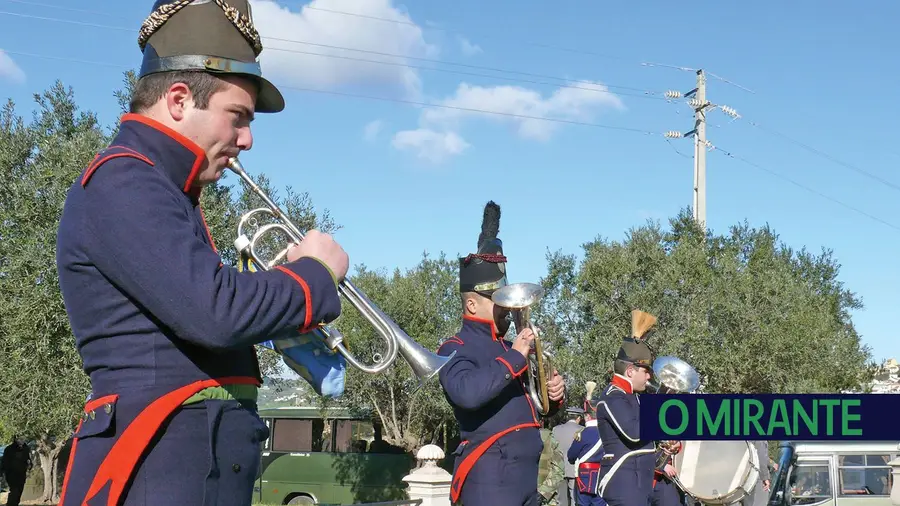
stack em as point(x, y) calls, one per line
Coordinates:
point(166, 332)
point(564, 434)
point(586, 454)
point(626, 473)
point(497, 460)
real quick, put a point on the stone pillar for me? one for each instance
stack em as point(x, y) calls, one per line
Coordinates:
point(429, 482)
point(895, 487)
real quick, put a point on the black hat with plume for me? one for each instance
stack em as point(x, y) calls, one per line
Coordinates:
point(485, 271)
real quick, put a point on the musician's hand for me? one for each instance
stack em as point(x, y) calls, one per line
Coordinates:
point(324, 248)
point(556, 387)
point(523, 342)
point(669, 470)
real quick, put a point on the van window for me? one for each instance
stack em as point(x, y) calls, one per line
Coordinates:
point(297, 435)
point(864, 475)
point(810, 482)
point(353, 436)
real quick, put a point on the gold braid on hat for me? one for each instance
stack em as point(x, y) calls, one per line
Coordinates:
point(162, 14)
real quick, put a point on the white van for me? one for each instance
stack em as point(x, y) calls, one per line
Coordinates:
point(834, 473)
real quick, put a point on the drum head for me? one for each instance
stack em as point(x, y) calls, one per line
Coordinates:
point(717, 472)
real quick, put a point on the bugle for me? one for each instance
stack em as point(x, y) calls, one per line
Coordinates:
point(423, 362)
point(672, 375)
point(518, 299)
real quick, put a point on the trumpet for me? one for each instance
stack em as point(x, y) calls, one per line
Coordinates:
point(423, 362)
point(518, 299)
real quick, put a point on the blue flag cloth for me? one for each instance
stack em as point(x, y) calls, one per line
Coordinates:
point(307, 354)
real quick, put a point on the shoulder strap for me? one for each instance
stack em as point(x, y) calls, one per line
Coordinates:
point(108, 154)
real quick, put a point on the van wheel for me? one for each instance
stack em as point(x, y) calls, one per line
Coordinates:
point(303, 500)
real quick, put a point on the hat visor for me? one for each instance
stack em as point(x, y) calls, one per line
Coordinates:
point(269, 99)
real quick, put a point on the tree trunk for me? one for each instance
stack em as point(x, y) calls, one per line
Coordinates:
point(48, 453)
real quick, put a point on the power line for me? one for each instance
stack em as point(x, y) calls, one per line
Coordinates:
point(505, 114)
point(384, 99)
point(644, 93)
point(807, 188)
point(360, 16)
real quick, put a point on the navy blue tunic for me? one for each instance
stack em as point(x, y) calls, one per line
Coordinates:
point(497, 460)
point(586, 453)
point(158, 318)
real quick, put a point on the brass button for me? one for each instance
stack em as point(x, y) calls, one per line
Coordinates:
point(236, 468)
point(107, 408)
point(507, 375)
point(93, 414)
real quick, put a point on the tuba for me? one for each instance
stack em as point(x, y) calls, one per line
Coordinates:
point(424, 363)
point(672, 376)
point(518, 299)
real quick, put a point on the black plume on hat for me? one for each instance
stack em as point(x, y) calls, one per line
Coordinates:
point(490, 225)
point(485, 271)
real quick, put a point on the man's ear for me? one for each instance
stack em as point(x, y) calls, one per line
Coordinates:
point(178, 99)
point(471, 305)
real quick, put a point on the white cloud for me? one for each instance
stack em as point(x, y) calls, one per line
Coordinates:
point(437, 138)
point(372, 129)
point(291, 68)
point(430, 145)
point(467, 47)
point(519, 106)
point(9, 70)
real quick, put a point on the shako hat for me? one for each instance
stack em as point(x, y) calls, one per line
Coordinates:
point(485, 271)
point(215, 36)
point(634, 348)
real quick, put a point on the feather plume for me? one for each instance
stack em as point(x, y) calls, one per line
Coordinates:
point(589, 388)
point(490, 224)
point(641, 322)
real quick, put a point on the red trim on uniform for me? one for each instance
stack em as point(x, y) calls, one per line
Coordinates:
point(119, 463)
point(62, 493)
point(198, 152)
point(307, 322)
point(524, 390)
point(98, 161)
point(589, 465)
point(593, 470)
point(492, 323)
point(99, 401)
point(454, 340)
point(469, 462)
point(622, 383)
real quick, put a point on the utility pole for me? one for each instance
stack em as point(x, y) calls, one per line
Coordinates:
point(700, 151)
point(700, 105)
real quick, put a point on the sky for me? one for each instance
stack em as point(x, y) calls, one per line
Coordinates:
point(810, 155)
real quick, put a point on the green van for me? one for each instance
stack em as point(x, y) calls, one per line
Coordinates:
point(834, 473)
point(327, 456)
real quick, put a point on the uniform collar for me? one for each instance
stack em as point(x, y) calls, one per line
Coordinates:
point(180, 158)
point(591, 423)
point(479, 326)
point(623, 383)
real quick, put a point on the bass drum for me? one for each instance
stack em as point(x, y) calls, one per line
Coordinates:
point(717, 472)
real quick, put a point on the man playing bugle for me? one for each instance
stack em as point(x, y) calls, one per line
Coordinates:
point(498, 458)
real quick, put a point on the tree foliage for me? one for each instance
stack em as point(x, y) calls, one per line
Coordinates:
point(424, 302)
point(42, 386)
point(749, 313)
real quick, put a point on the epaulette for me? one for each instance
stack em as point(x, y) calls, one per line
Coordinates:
point(577, 436)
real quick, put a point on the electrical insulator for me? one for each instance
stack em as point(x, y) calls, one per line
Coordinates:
point(730, 111)
point(673, 94)
point(672, 134)
point(696, 103)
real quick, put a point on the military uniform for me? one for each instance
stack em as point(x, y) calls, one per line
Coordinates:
point(497, 461)
point(665, 491)
point(627, 468)
point(564, 434)
point(550, 470)
point(165, 331)
point(586, 454)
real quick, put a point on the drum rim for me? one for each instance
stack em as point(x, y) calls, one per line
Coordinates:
point(751, 475)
